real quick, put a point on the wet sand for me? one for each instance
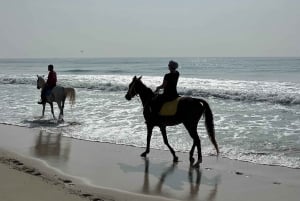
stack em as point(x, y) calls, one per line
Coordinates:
point(101, 171)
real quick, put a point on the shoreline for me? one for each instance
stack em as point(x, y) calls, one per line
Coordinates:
point(152, 148)
point(94, 170)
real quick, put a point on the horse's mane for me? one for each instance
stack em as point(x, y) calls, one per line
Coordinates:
point(146, 89)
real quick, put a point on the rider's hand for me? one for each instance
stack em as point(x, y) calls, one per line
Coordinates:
point(156, 92)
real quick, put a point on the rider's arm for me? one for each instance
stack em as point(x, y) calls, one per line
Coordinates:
point(162, 86)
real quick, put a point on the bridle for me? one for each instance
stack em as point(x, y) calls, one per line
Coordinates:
point(132, 90)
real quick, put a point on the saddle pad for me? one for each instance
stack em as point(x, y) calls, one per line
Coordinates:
point(169, 108)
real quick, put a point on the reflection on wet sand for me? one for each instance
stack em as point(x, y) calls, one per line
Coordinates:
point(194, 187)
point(175, 179)
point(49, 144)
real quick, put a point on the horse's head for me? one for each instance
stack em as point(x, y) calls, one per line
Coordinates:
point(132, 88)
point(40, 83)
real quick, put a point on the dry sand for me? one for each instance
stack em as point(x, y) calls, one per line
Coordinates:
point(19, 185)
point(35, 165)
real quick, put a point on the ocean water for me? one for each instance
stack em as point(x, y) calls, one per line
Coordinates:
point(255, 101)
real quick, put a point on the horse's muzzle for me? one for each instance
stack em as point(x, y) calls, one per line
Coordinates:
point(127, 97)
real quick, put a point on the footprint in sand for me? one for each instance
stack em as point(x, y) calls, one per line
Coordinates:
point(239, 173)
point(33, 172)
point(66, 181)
point(97, 199)
point(37, 174)
point(30, 171)
point(17, 162)
point(86, 195)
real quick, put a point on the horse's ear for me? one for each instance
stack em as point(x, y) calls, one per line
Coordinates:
point(140, 78)
point(37, 76)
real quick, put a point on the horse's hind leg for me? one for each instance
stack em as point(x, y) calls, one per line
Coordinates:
point(192, 129)
point(61, 111)
point(164, 134)
point(52, 111)
point(63, 105)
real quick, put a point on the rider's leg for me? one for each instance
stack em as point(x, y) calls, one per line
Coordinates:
point(158, 103)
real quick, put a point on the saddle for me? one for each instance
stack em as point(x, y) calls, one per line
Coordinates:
point(169, 108)
point(48, 92)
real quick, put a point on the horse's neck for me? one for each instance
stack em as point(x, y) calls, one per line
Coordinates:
point(146, 94)
point(42, 83)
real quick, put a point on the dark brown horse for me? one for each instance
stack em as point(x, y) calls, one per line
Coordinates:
point(189, 113)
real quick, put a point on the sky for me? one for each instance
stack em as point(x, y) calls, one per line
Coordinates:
point(144, 28)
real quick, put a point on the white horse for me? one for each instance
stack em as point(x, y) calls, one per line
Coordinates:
point(58, 95)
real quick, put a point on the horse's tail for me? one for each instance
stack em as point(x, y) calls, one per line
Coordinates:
point(71, 94)
point(209, 123)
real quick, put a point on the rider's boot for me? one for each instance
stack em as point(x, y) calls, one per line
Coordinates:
point(42, 101)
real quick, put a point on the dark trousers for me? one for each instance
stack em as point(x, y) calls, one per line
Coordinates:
point(45, 89)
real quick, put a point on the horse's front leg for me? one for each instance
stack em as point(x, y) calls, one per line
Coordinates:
point(149, 134)
point(43, 112)
point(164, 134)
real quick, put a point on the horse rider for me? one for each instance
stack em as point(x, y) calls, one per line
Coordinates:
point(50, 84)
point(169, 87)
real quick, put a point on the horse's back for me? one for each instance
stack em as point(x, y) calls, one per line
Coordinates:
point(58, 92)
point(58, 89)
point(189, 105)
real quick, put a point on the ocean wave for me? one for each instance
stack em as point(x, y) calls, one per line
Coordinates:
point(78, 71)
point(91, 71)
point(272, 159)
point(251, 91)
point(16, 80)
point(279, 98)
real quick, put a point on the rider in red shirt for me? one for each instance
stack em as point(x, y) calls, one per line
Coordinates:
point(50, 84)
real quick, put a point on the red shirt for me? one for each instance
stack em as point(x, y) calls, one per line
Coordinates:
point(51, 81)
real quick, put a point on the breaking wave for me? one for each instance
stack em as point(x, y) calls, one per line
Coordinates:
point(285, 93)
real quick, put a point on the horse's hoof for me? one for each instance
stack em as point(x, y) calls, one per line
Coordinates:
point(60, 121)
point(144, 154)
point(192, 160)
point(197, 165)
point(175, 160)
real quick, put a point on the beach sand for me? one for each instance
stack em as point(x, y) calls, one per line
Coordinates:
point(36, 165)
